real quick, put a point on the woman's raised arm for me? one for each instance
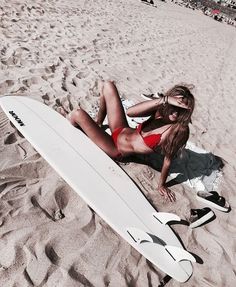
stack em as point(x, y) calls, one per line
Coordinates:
point(145, 108)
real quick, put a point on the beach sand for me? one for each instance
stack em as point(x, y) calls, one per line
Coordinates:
point(56, 52)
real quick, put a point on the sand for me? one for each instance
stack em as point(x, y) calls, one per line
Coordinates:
point(56, 52)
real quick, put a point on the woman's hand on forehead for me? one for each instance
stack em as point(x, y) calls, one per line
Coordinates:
point(178, 101)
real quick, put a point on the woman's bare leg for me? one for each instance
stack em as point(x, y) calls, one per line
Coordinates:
point(110, 105)
point(102, 112)
point(80, 118)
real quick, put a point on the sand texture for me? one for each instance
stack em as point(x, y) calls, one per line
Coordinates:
point(56, 52)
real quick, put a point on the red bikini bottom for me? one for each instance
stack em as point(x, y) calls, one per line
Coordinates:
point(114, 136)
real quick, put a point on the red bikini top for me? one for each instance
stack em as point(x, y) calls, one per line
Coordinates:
point(152, 140)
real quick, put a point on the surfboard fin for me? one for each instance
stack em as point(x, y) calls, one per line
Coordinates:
point(165, 217)
point(138, 235)
point(179, 254)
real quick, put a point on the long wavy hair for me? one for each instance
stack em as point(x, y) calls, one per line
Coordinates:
point(179, 131)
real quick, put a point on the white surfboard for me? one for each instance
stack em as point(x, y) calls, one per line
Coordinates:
point(103, 185)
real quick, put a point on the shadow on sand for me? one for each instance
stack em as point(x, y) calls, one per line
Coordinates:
point(190, 166)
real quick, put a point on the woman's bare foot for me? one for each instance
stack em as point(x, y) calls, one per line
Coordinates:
point(62, 111)
point(69, 116)
point(65, 114)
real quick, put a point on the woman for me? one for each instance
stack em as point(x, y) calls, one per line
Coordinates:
point(166, 130)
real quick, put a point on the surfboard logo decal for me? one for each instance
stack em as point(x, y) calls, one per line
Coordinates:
point(14, 115)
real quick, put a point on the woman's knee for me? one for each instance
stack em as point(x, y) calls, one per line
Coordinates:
point(109, 88)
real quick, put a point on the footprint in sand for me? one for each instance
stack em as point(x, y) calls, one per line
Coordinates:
point(10, 139)
point(53, 209)
point(82, 74)
point(46, 97)
point(13, 189)
point(37, 71)
point(35, 203)
point(3, 187)
point(90, 227)
point(12, 57)
point(52, 255)
point(6, 86)
point(31, 81)
point(61, 197)
point(79, 76)
point(107, 280)
point(79, 277)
